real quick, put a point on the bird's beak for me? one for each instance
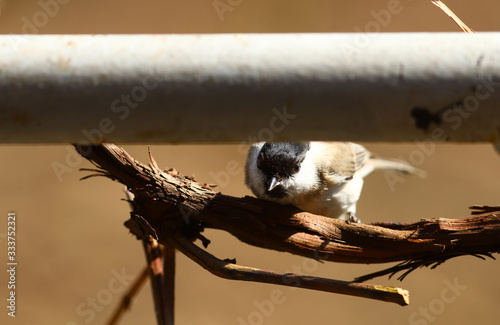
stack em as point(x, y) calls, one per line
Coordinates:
point(273, 183)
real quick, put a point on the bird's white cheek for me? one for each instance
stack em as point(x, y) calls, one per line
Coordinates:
point(257, 182)
point(303, 183)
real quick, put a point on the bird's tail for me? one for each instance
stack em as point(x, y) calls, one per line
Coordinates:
point(391, 166)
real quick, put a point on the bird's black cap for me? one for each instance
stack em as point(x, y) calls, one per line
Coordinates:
point(282, 159)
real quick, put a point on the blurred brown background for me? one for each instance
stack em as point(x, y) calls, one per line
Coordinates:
point(72, 247)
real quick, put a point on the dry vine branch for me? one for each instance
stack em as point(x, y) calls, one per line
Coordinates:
point(176, 209)
point(153, 258)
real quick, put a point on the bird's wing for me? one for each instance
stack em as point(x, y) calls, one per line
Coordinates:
point(340, 160)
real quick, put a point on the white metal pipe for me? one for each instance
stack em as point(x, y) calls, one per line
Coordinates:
point(243, 87)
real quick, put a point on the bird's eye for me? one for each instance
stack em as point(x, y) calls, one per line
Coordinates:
point(296, 168)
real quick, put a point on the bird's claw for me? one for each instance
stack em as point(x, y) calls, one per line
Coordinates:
point(352, 218)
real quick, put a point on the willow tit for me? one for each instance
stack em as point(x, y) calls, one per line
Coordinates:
point(323, 178)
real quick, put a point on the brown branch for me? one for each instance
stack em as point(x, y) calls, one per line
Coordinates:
point(169, 281)
point(153, 257)
point(229, 270)
point(171, 203)
point(126, 300)
point(165, 294)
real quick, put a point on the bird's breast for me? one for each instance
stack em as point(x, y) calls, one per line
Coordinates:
point(332, 200)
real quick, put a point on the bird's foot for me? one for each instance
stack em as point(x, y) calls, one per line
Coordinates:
point(352, 218)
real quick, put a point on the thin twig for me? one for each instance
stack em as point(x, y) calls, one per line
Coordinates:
point(153, 257)
point(412, 265)
point(452, 15)
point(169, 282)
point(126, 301)
point(233, 271)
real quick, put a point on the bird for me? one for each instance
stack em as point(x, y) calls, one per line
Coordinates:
point(323, 178)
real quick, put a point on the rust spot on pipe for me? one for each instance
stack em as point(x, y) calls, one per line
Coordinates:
point(424, 118)
point(21, 118)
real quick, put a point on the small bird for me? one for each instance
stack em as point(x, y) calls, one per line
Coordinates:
point(323, 178)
